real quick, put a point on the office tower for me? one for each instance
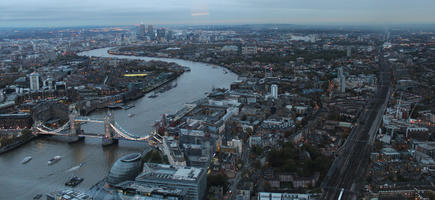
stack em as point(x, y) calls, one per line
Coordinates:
point(150, 29)
point(161, 33)
point(169, 35)
point(274, 91)
point(349, 51)
point(34, 81)
point(141, 32)
point(342, 80)
point(343, 84)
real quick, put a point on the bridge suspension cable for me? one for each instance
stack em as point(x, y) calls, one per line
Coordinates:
point(50, 131)
point(123, 133)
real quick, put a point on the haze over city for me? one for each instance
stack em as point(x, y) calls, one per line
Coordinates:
point(48, 13)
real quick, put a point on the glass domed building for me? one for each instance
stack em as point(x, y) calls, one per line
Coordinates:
point(125, 168)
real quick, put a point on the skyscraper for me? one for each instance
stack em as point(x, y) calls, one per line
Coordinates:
point(343, 84)
point(141, 32)
point(161, 33)
point(34, 81)
point(341, 79)
point(274, 91)
point(150, 29)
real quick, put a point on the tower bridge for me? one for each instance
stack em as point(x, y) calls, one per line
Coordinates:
point(112, 130)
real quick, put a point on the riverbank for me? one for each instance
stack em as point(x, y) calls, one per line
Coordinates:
point(17, 144)
point(162, 84)
point(163, 73)
point(101, 106)
point(111, 51)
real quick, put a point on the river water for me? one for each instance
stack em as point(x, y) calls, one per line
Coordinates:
point(18, 181)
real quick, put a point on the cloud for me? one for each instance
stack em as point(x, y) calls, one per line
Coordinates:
point(196, 14)
point(114, 12)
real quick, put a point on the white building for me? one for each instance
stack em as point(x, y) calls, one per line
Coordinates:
point(238, 144)
point(34, 81)
point(230, 48)
point(48, 83)
point(342, 84)
point(249, 50)
point(274, 91)
point(282, 196)
point(341, 80)
point(254, 141)
point(193, 180)
point(173, 152)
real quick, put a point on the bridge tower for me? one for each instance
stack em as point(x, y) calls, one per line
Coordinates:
point(108, 130)
point(74, 127)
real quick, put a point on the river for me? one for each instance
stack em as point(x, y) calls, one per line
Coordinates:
point(18, 181)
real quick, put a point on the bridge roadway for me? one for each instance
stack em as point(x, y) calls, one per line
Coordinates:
point(350, 167)
point(101, 135)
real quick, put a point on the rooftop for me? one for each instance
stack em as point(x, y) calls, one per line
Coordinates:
point(146, 188)
point(168, 172)
point(69, 194)
point(17, 115)
point(388, 150)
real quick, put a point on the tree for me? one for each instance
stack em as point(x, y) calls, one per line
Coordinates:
point(257, 150)
point(378, 145)
point(26, 132)
point(257, 164)
point(218, 180)
point(431, 195)
point(154, 156)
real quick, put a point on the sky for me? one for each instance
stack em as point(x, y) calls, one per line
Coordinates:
point(50, 13)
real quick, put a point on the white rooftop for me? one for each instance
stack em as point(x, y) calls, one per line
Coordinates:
point(187, 173)
point(169, 172)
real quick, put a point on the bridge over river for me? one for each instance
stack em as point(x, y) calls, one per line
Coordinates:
point(112, 130)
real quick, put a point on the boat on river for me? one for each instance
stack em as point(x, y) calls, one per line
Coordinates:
point(54, 160)
point(26, 160)
point(38, 196)
point(153, 96)
point(74, 181)
point(126, 107)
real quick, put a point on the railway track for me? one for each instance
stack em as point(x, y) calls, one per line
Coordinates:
point(349, 168)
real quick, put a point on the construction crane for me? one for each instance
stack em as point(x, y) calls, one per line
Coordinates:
point(398, 106)
point(412, 111)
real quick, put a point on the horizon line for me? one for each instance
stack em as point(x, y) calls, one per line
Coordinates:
point(241, 24)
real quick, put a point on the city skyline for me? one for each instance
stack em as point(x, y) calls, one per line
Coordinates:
point(49, 13)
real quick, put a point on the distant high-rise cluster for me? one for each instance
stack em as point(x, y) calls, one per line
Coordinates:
point(144, 33)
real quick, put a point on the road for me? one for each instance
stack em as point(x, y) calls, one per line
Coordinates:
point(246, 166)
point(349, 168)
